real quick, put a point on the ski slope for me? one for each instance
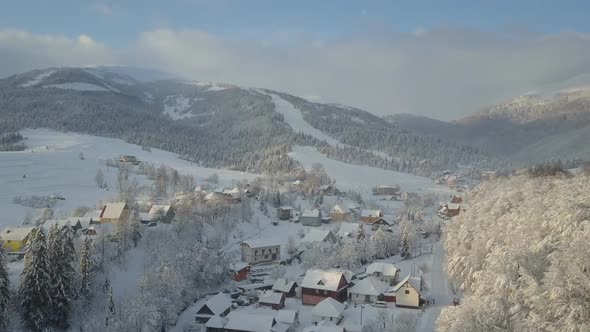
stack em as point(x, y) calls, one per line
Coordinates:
point(52, 165)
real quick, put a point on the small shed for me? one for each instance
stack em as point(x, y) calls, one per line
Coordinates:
point(273, 300)
point(311, 217)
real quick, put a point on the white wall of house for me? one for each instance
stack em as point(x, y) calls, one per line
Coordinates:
point(361, 298)
point(407, 296)
point(316, 318)
point(261, 254)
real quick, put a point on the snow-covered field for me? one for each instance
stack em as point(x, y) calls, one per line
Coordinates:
point(52, 165)
point(78, 86)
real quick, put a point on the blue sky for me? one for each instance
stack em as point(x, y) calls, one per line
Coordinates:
point(444, 59)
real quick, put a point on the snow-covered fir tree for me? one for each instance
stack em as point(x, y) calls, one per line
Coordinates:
point(380, 245)
point(111, 322)
point(86, 270)
point(4, 291)
point(36, 288)
point(405, 246)
point(360, 233)
point(60, 290)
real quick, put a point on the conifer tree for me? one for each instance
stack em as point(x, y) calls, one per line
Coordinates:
point(405, 250)
point(111, 314)
point(69, 258)
point(60, 299)
point(360, 233)
point(35, 288)
point(4, 292)
point(86, 266)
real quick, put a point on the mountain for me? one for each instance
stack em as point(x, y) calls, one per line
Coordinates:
point(215, 124)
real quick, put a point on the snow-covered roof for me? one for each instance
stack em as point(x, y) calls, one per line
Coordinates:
point(328, 308)
point(453, 206)
point(297, 182)
point(371, 213)
point(156, 208)
point(93, 215)
point(113, 210)
point(199, 189)
point(321, 279)
point(283, 285)
point(59, 222)
point(144, 216)
point(218, 303)
point(15, 233)
point(271, 297)
point(389, 186)
point(316, 235)
point(286, 207)
point(347, 229)
point(211, 196)
point(286, 316)
point(415, 282)
point(262, 243)
point(216, 322)
point(386, 269)
point(338, 209)
point(314, 213)
point(324, 326)
point(238, 266)
point(280, 327)
point(369, 286)
point(250, 322)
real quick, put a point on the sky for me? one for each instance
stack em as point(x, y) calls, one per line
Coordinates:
point(442, 59)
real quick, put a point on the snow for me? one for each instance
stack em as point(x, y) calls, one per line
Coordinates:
point(386, 269)
point(347, 229)
point(77, 86)
point(113, 210)
point(323, 280)
point(314, 213)
point(51, 165)
point(316, 235)
point(283, 285)
point(262, 243)
point(218, 303)
point(369, 286)
point(156, 208)
point(286, 316)
point(371, 213)
point(38, 79)
point(216, 322)
point(178, 107)
point(251, 322)
point(15, 233)
point(328, 308)
point(271, 297)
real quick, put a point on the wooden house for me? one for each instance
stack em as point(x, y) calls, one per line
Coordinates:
point(287, 287)
point(339, 213)
point(240, 321)
point(215, 324)
point(318, 285)
point(239, 271)
point(387, 190)
point(317, 236)
point(14, 239)
point(272, 300)
point(218, 305)
point(114, 212)
point(370, 216)
point(406, 293)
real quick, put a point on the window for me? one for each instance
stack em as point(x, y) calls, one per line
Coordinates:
point(317, 291)
point(367, 298)
point(407, 291)
point(255, 252)
point(325, 292)
point(265, 256)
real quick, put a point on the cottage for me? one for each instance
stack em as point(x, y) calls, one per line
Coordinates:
point(161, 213)
point(215, 324)
point(239, 321)
point(385, 272)
point(273, 300)
point(240, 271)
point(387, 190)
point(218, 305)
point(328, 310)
point(338, 213)
point(406, 293)
point(232, 195)
point(114, 212)
point(311, 217)
point(370, 216)
point(367, 290)
point(347, 230)
point(259, 251)
point(288, 317)
point(287, 287)
point(319, 284)
point(317, 236)
point(284, 212)
point(14, 239)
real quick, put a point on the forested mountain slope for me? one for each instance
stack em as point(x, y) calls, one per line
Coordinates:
point(216, 125)
point(520, 252)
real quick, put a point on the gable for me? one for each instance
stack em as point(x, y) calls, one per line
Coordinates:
point(204, 310)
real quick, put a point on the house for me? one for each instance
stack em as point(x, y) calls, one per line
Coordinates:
point(161, 213)
point(240, 271)
point(90, 218)
point(451, 209)
point(318, 285)
point(338, 213)
point(315, 236)
point(240, 321)
point(215, 324)
point(385, 272)
point(114, 212)
point(311, 217)
point(99, 229)
point(406, 293)
point(14, 239)
point(328, 310)
point(370, 216)
point(367, 290)
point(287, 287)
point(347, 230)
point(273, 300)
point(386, 220)
point(288, 317)
point(284, 212)
point(74, 223)
point(129, 159)
point(218, 305)
point(327, 190)
point(260, 251)
point(457, 199)
point(387, 190)
point(232, 195)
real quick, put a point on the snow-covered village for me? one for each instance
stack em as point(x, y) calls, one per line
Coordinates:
point(275, 166)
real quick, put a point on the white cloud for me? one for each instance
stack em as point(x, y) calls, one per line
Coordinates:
point(444, 73)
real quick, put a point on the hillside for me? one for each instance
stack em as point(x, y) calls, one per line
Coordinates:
point(213, 124)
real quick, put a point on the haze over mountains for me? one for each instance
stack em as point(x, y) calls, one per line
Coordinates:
point(222, 125)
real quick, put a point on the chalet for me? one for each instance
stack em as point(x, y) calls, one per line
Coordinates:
point(385, 272)
point(311, 217)
point(370, 216)
point(239, 271)
point(387, 190)
point(114, 212)
point(284, 212)
point(367, 290)
point(260, 251)
point(319, 284)
point(273, 300)
point(240, 321)
point(406, 293)
point(317, 236)
point(215, 324)
point(289, 318)
point(339, 213)
point(218, 305)
point(287, 287)
point(161, 213)
point(328, 310)
point(14, 239)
